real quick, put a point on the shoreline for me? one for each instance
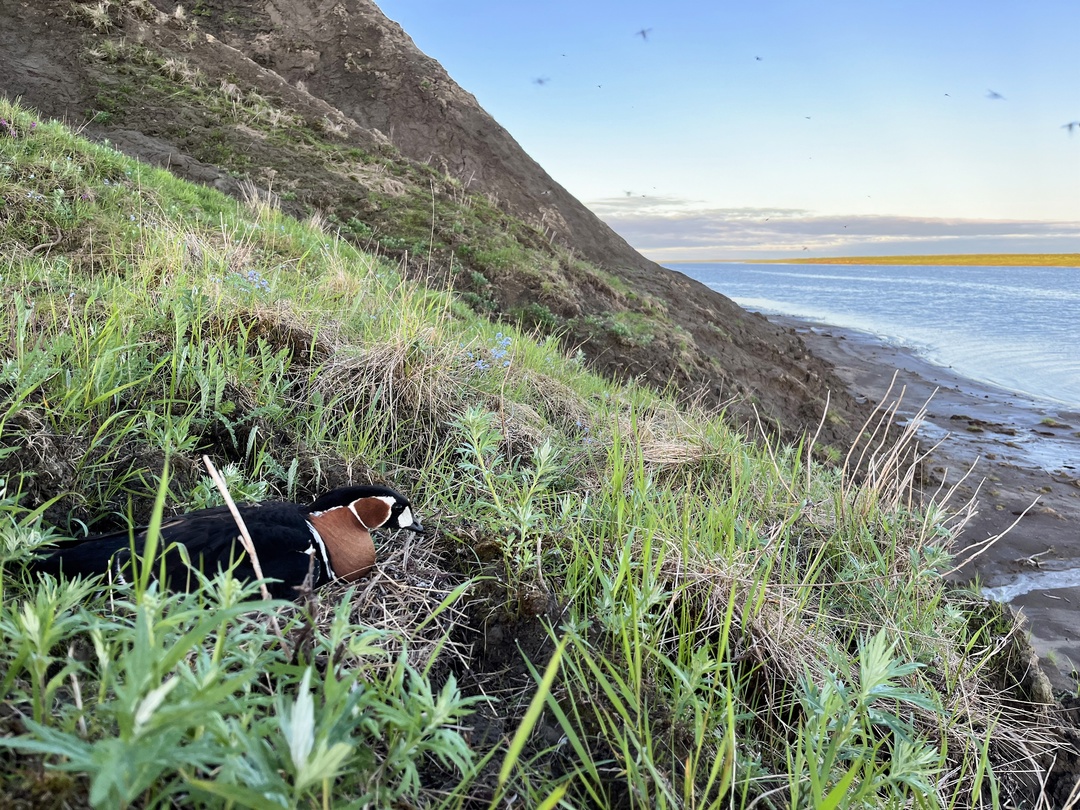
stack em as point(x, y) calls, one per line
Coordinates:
point(1024, 457)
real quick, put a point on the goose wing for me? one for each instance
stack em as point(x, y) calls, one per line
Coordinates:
point(210, 539)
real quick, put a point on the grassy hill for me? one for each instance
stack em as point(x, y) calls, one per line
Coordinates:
point(623, 602)
point(330, 108)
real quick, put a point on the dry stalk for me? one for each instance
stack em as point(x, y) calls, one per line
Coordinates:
point(985, 545)
point(76, 692)
point(814, 438)
point(249, 547)
point(772, 454)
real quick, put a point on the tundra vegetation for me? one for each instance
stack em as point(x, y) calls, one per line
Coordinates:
point(621, 601)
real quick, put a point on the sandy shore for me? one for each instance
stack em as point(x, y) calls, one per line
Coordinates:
point(1024, 456)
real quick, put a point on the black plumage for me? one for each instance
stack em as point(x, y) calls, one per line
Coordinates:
point(331, 533)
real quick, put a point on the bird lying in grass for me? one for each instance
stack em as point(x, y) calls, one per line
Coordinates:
point(330, 537)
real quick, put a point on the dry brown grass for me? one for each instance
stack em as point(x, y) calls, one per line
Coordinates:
point(415, 600)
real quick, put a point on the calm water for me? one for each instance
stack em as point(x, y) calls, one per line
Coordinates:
point(1016, 327)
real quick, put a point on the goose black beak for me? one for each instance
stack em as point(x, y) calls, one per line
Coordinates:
point(416, 528)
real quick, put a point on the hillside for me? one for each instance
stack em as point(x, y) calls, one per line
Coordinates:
point(330, 108)
point(277, 234)
point(620, 602)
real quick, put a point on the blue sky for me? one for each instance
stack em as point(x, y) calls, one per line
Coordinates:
point(775, 128)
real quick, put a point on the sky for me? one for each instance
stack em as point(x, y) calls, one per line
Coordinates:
point(776, 128)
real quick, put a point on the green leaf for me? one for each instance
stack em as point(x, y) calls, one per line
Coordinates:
point(554, 797)
point(840, 790)
point(532, 715)
point(237, 794)
point(49, 741)
point(298, 724)
point(324, 764)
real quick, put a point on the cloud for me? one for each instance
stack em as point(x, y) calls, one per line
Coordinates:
point(670, 229)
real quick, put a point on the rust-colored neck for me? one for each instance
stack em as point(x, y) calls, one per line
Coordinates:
point(348, 542)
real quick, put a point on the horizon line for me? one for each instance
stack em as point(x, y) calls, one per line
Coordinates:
point(984, 259)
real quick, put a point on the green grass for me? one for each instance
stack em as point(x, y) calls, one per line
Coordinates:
point(622, 602)
point(429, 219)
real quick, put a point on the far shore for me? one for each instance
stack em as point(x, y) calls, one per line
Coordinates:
point(951, 259)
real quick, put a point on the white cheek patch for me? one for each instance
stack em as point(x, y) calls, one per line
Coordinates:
point(405, 519)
